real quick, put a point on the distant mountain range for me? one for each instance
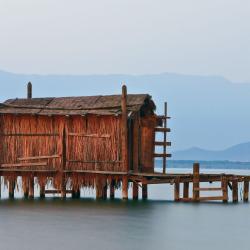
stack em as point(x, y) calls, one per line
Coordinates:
point(239, 152)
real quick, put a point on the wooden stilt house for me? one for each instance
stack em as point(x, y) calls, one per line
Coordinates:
point(78, 138)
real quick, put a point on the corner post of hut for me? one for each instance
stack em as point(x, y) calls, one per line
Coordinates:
point(124, 132)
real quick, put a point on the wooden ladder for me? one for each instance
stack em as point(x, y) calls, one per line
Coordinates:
point(163, 143)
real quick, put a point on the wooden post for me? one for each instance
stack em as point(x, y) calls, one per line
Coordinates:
point(185, 189)
point(235, 190)
point(224, 187)
point(0, 186)
point(144, 191)
point(42, 190)
point(165, 139)
point(112, 189)
point(125, 187)
point(177, 190)
point(31, 187)
point(246, 191)
point(124, 129)
point(11, 188)
point(104, 191)
point(98, 187)
point(64, 161)
point(29, 90)
point(25, 186)
point(124, 132)
point(196, 181)
point(135, 191)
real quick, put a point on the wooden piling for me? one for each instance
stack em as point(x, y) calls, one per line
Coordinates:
point(235, 190)
point(135, 191)
point(104, 191)
point(125, 187)
point(31, 187)
point(112, 189)
point(196, 181)
point(11, 188)
point(98, 187)
point(25, 186)
point(42, 190)
point(246, 191)
point(185, 189)
point(177, 190)
point(224, 186)
point(144, 191)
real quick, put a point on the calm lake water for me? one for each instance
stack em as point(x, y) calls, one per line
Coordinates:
point(157, 223)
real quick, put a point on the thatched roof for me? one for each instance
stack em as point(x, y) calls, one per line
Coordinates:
point(100, 105)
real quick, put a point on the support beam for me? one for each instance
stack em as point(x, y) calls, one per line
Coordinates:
point(31, 187)
point(105, 191)
point(177, 190)
point(135, 191)
point(144, 191)
point(185, 190)
point(42, 190)
point(98, 187)
point(11, 188)
point(124, 130)
point(235, 190)
point(25, 186)
point(246, 191)
point(224, 184)
point(124, 187)
point(112, 189)
point(196, 181)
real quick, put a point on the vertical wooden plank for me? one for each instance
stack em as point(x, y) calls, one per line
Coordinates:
point(124, 129)
point(196, 181)
point(64, 161)
point(224, 187)
point(31, 187)
point(104, 191)
point(185, 189)
point(11, 188)
point(125, 187)
point(135, 191)
point(112, 189)
point(246, 191)
point(177, 190)
point(235, 190)
point(144, 191)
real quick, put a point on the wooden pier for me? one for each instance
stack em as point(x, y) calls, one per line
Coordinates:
point(112, 181)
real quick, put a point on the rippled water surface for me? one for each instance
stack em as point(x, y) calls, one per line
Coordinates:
point(154, 224)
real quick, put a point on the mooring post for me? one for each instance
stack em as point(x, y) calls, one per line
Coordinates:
point(112, 189)
point(235, 190)
point(135, 191)
point(224, 184)
point(31, 187)
point(196, 181)
point(185, 189)
point(177, 190)
point(144, 191)
point(11, 188)
point(246, 191)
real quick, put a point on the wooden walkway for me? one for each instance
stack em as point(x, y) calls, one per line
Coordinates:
point(141, 181)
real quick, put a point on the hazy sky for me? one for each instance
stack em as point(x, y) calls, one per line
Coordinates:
point(126, 36)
